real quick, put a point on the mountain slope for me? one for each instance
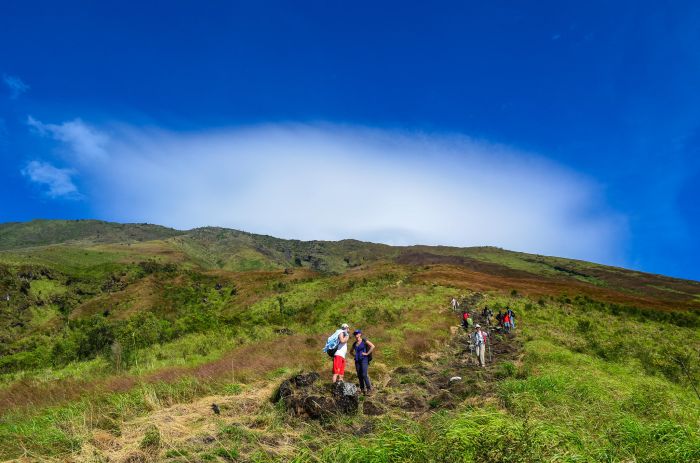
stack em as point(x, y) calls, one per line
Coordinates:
point(17, 235)
point(112, 345)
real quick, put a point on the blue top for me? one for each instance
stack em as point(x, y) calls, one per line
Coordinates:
point(360, 347)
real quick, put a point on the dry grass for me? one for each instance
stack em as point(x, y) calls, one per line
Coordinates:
point(535, 286)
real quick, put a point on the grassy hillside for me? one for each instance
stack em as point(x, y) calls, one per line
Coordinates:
point(114, 345)
point(44, 232)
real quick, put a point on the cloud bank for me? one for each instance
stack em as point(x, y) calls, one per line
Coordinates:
point(333, 182)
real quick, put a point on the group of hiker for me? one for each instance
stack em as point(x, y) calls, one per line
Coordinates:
point(480, 338)
point(361, 350)
point(505, 320)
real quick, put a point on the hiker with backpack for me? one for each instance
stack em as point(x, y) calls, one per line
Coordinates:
point(511, 316)
point(467, 320)
point(506, 322)
point(480, 339)
point(362, 349)
point(337, 347)
point(499, 318)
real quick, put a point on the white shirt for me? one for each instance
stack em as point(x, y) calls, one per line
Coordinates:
point(342, 347)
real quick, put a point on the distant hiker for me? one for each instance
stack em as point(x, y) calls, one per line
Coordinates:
point(340, 351)
point(488, 315)
point(499, 318)
point(480, 338)
point(511, 315)
point(455, 304)
point(506, 322)
point(362, 350)
point(467, 320)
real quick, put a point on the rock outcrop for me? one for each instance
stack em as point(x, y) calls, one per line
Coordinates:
point(303, 396)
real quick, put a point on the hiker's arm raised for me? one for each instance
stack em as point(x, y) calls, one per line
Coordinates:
point(343, 337)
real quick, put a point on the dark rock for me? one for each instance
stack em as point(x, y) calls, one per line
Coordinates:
point(372, 409)
point(215, 409)
point(319, 407)
point(306, 380)
point(346, 397)
point(285, 390)
point(302, 396)
point(284, 331)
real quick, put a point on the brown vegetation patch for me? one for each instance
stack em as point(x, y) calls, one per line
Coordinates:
point(534, 286)
point(139, 295)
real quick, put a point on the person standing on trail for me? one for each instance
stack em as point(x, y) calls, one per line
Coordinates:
point(506, 322)
point(455, 304)
point(362, 350)
point(339, 357)
point(499, 318)
point(511, 315)
point(488, 315)
point(480, 338)
point(467, 320)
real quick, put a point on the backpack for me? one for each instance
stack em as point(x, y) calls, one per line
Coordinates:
point(354, 345)
point(332, 344)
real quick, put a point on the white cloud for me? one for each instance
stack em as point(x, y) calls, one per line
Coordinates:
point(59, 182)
point(330, 182)
point(86, 144)
point(15, 85)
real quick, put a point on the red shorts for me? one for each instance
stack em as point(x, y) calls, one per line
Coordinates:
point(338, 365)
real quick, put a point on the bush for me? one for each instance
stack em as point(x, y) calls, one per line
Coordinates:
point(84, 340)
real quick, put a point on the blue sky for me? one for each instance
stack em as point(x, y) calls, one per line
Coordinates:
point(568, 128)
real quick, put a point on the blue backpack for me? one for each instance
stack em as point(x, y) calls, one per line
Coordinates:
point(332, 344)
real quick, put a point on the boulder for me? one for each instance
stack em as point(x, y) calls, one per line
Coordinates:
point(318, 407)
point(302, 396)
point(285, 390)
point(306, 380)
point(346, 397)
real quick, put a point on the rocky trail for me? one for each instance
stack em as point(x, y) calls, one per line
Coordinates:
point(443, 378)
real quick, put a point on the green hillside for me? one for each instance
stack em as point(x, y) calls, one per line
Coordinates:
point(115, 340)
point(44, 232)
